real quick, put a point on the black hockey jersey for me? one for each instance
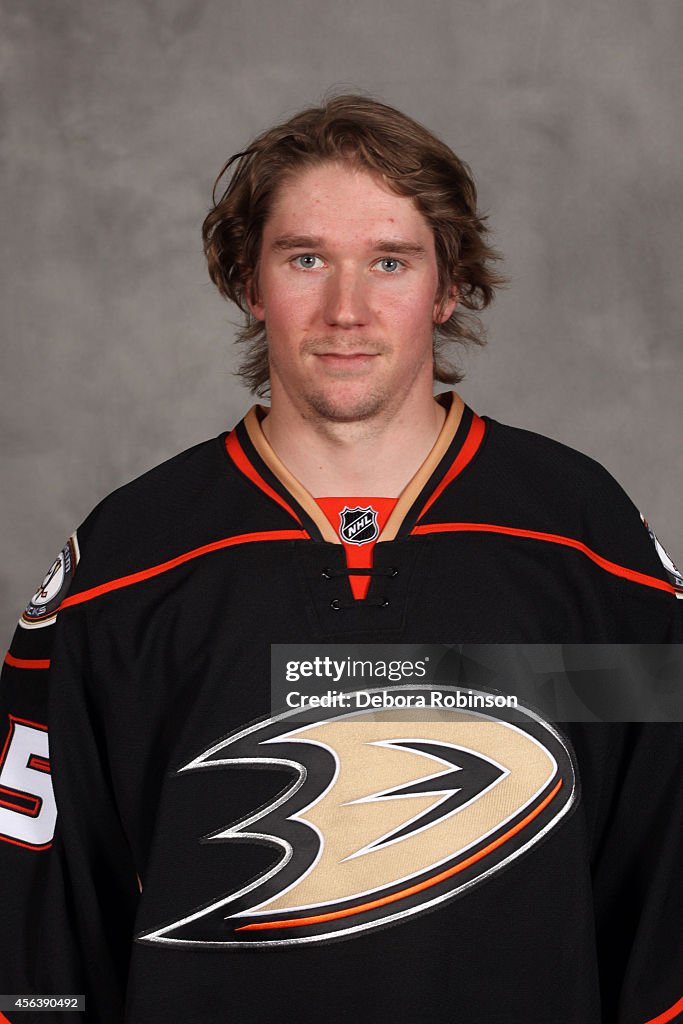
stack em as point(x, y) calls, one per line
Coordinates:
point(205, 858)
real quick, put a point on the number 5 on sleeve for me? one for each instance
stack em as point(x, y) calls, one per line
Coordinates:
point(28, 812)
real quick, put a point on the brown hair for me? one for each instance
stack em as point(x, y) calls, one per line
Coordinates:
point(410, 160)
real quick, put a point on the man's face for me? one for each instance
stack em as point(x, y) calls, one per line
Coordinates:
point(347, 287)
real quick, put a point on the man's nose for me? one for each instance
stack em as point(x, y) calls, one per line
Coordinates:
point(346, 299)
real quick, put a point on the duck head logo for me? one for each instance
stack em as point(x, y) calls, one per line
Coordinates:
point(382, 817)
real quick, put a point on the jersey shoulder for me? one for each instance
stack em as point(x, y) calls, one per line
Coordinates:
point(190, 500)
point(556, 482)
point(575, 495)
point(550, 465)
point(175, 485)
point(121, 527)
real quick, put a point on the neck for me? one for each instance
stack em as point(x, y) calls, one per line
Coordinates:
point(374, 458)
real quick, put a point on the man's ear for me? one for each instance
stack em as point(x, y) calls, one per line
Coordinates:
point(253, 299)
point(444, 308)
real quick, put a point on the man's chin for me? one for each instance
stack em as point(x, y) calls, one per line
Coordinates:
point(332, 408)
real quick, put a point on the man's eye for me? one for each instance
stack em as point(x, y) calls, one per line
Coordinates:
point(307, 261)
point(389, 264)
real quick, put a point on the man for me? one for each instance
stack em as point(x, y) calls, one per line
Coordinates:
point(452, 867)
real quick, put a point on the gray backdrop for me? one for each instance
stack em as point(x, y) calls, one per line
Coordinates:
point(117, 351)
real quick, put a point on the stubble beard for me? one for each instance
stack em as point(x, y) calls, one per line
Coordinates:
point(325, 407)
point(333, 401)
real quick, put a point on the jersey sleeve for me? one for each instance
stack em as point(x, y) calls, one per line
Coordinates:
point(648, 587)
point(68, 888)
point(637, 885)
point(638, 851)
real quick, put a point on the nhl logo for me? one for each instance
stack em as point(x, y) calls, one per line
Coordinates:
point(358, 525)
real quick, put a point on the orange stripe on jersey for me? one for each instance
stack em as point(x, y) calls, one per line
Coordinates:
point(411, 890)
point(469, 449)
point(156, 570)
point(669, 1014)
point(24, 846)
point(26, 662)
point(236, 453)
point(553, 538)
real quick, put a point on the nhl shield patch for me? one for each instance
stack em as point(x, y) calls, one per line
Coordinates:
point(358, 525)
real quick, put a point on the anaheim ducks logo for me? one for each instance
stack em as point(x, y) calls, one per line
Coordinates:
point(384, 817)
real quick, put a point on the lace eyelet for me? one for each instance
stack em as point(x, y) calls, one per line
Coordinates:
point(385, 602)
point(335, 604)
point(326, 574)
point(392, 571)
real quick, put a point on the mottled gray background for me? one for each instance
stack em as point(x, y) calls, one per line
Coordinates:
point(116, 117)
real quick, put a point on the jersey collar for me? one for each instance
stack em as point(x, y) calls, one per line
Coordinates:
point(459, 439)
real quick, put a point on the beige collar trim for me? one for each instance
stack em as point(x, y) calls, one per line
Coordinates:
point(305, 499)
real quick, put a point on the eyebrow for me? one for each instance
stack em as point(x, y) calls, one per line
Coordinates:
point(388, 245)
point(296, 242)
point(400, 246)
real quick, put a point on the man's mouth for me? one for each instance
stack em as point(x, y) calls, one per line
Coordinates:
point(346, 355)
point(346, 360)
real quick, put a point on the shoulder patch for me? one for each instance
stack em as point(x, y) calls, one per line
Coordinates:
point(675, 578)
point(42, 608)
